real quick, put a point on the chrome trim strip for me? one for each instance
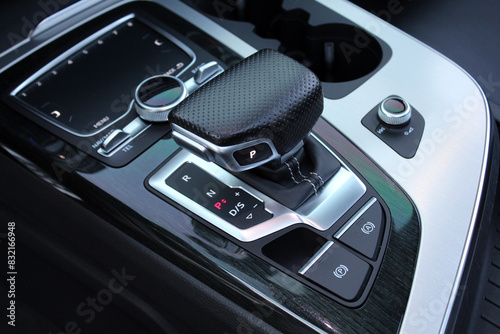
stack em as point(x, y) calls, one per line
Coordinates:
point(224, 154)
point(461, 267)
point(62, 15)
point(157, 114)
point(351, 221)
point(51, 20)
point(316, 257)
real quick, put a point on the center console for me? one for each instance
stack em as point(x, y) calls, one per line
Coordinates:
point(336, 181)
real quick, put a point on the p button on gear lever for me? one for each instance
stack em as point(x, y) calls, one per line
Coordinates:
point(253, 154)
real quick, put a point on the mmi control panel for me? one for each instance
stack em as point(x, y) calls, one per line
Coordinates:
point(97, 95)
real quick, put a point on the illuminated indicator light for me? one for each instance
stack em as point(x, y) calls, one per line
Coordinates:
point(115, 32)
point(38, 83)
point(130, 24)
point(219, 204)
point(54, 72)
point(100, 42)
point(85, 52)
point(70, 62)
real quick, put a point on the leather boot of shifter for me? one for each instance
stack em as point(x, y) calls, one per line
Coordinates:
point(299, 178)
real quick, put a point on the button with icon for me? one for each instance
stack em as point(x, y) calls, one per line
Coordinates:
point(253, 154)
point(338, 270)
point(364, 231)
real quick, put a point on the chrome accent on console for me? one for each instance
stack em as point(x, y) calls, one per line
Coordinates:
point(157, 113)
point(355, 217)
point(203, 75)
point(316, 257)
point(391, 117)
point(62, 15)
point(223, 155)
point(207, 72)
point(320, 212)
point(276, 303)
point(133, 129)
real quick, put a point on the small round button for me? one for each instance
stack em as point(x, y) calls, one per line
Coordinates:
point(394, 111)
point(156, 96)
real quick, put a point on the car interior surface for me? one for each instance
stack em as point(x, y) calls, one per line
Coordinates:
point(249, 166)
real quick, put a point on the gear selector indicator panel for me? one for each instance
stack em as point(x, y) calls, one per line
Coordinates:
point(234, 205)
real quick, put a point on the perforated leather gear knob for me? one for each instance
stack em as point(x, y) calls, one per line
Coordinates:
point(259, 110)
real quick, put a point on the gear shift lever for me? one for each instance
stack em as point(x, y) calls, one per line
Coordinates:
point(259, 111)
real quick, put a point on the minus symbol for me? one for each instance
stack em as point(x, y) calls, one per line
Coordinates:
point(12, 273)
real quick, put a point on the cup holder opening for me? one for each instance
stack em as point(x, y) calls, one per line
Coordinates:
point(341, 54)
point(335, 52)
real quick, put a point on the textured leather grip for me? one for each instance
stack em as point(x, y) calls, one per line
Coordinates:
point(267, 95)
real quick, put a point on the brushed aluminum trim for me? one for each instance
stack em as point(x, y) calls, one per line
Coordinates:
point(316, 257)
point(445, 178)
point(351, 221)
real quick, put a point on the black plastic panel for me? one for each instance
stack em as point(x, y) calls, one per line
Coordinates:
point(87, 90)
point(404, 139)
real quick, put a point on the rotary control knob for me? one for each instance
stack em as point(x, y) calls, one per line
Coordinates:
point(156, 96)
point(394, 111)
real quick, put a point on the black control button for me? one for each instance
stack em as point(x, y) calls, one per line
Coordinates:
point(365, 234)
point(253, 154)
point(340, 272)
point(234, 205)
